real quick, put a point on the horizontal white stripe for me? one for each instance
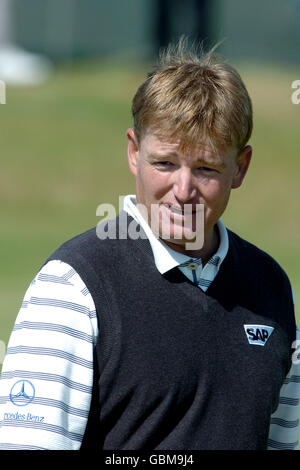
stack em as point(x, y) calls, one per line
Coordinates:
point(8, 446)
point(43, 326)
point(35, 437)
point(57, 353)
point(280, 445)
point(46, 376)
point(45, 402)
point(49, 365)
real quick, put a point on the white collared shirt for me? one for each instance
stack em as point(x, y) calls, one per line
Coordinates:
point(50, 356)
point(166, 258)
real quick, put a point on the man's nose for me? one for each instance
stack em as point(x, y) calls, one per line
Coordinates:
point(184, 187)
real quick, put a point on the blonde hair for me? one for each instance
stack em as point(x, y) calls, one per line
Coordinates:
point(193, 96)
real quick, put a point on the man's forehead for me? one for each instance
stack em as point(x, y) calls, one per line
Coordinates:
point(201, 149)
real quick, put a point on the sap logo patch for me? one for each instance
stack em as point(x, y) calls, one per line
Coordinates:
point(258, 334)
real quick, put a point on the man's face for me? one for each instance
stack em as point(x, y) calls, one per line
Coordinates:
point(170, 179)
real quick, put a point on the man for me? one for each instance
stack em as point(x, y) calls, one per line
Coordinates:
point(161, 329)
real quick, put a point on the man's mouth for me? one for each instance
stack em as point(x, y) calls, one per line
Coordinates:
point(187, 209)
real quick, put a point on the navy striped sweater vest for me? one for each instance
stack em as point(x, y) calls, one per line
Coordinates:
point(177, 368)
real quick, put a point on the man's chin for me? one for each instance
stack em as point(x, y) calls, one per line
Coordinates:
point(183, 242)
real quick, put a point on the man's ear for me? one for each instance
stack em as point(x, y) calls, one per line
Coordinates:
point(132, 151)
point(243, 162)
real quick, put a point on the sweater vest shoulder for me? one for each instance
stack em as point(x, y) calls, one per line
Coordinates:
point(177, 368)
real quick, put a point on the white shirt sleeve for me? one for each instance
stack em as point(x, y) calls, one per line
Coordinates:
point(284, 428)
point(47, 374)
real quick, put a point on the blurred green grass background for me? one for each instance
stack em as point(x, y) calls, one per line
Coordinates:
point(63, 152)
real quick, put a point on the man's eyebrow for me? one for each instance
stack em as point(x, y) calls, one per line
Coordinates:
point(208, 162)
point(166, 154)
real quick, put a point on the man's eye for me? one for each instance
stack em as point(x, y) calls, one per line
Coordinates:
point(163, 164)
point(206, 168)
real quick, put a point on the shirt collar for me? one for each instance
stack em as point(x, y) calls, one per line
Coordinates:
point(166, 258)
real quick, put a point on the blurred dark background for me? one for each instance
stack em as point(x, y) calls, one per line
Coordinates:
point(265, 30)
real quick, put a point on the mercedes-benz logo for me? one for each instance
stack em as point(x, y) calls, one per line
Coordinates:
point(22, 393)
